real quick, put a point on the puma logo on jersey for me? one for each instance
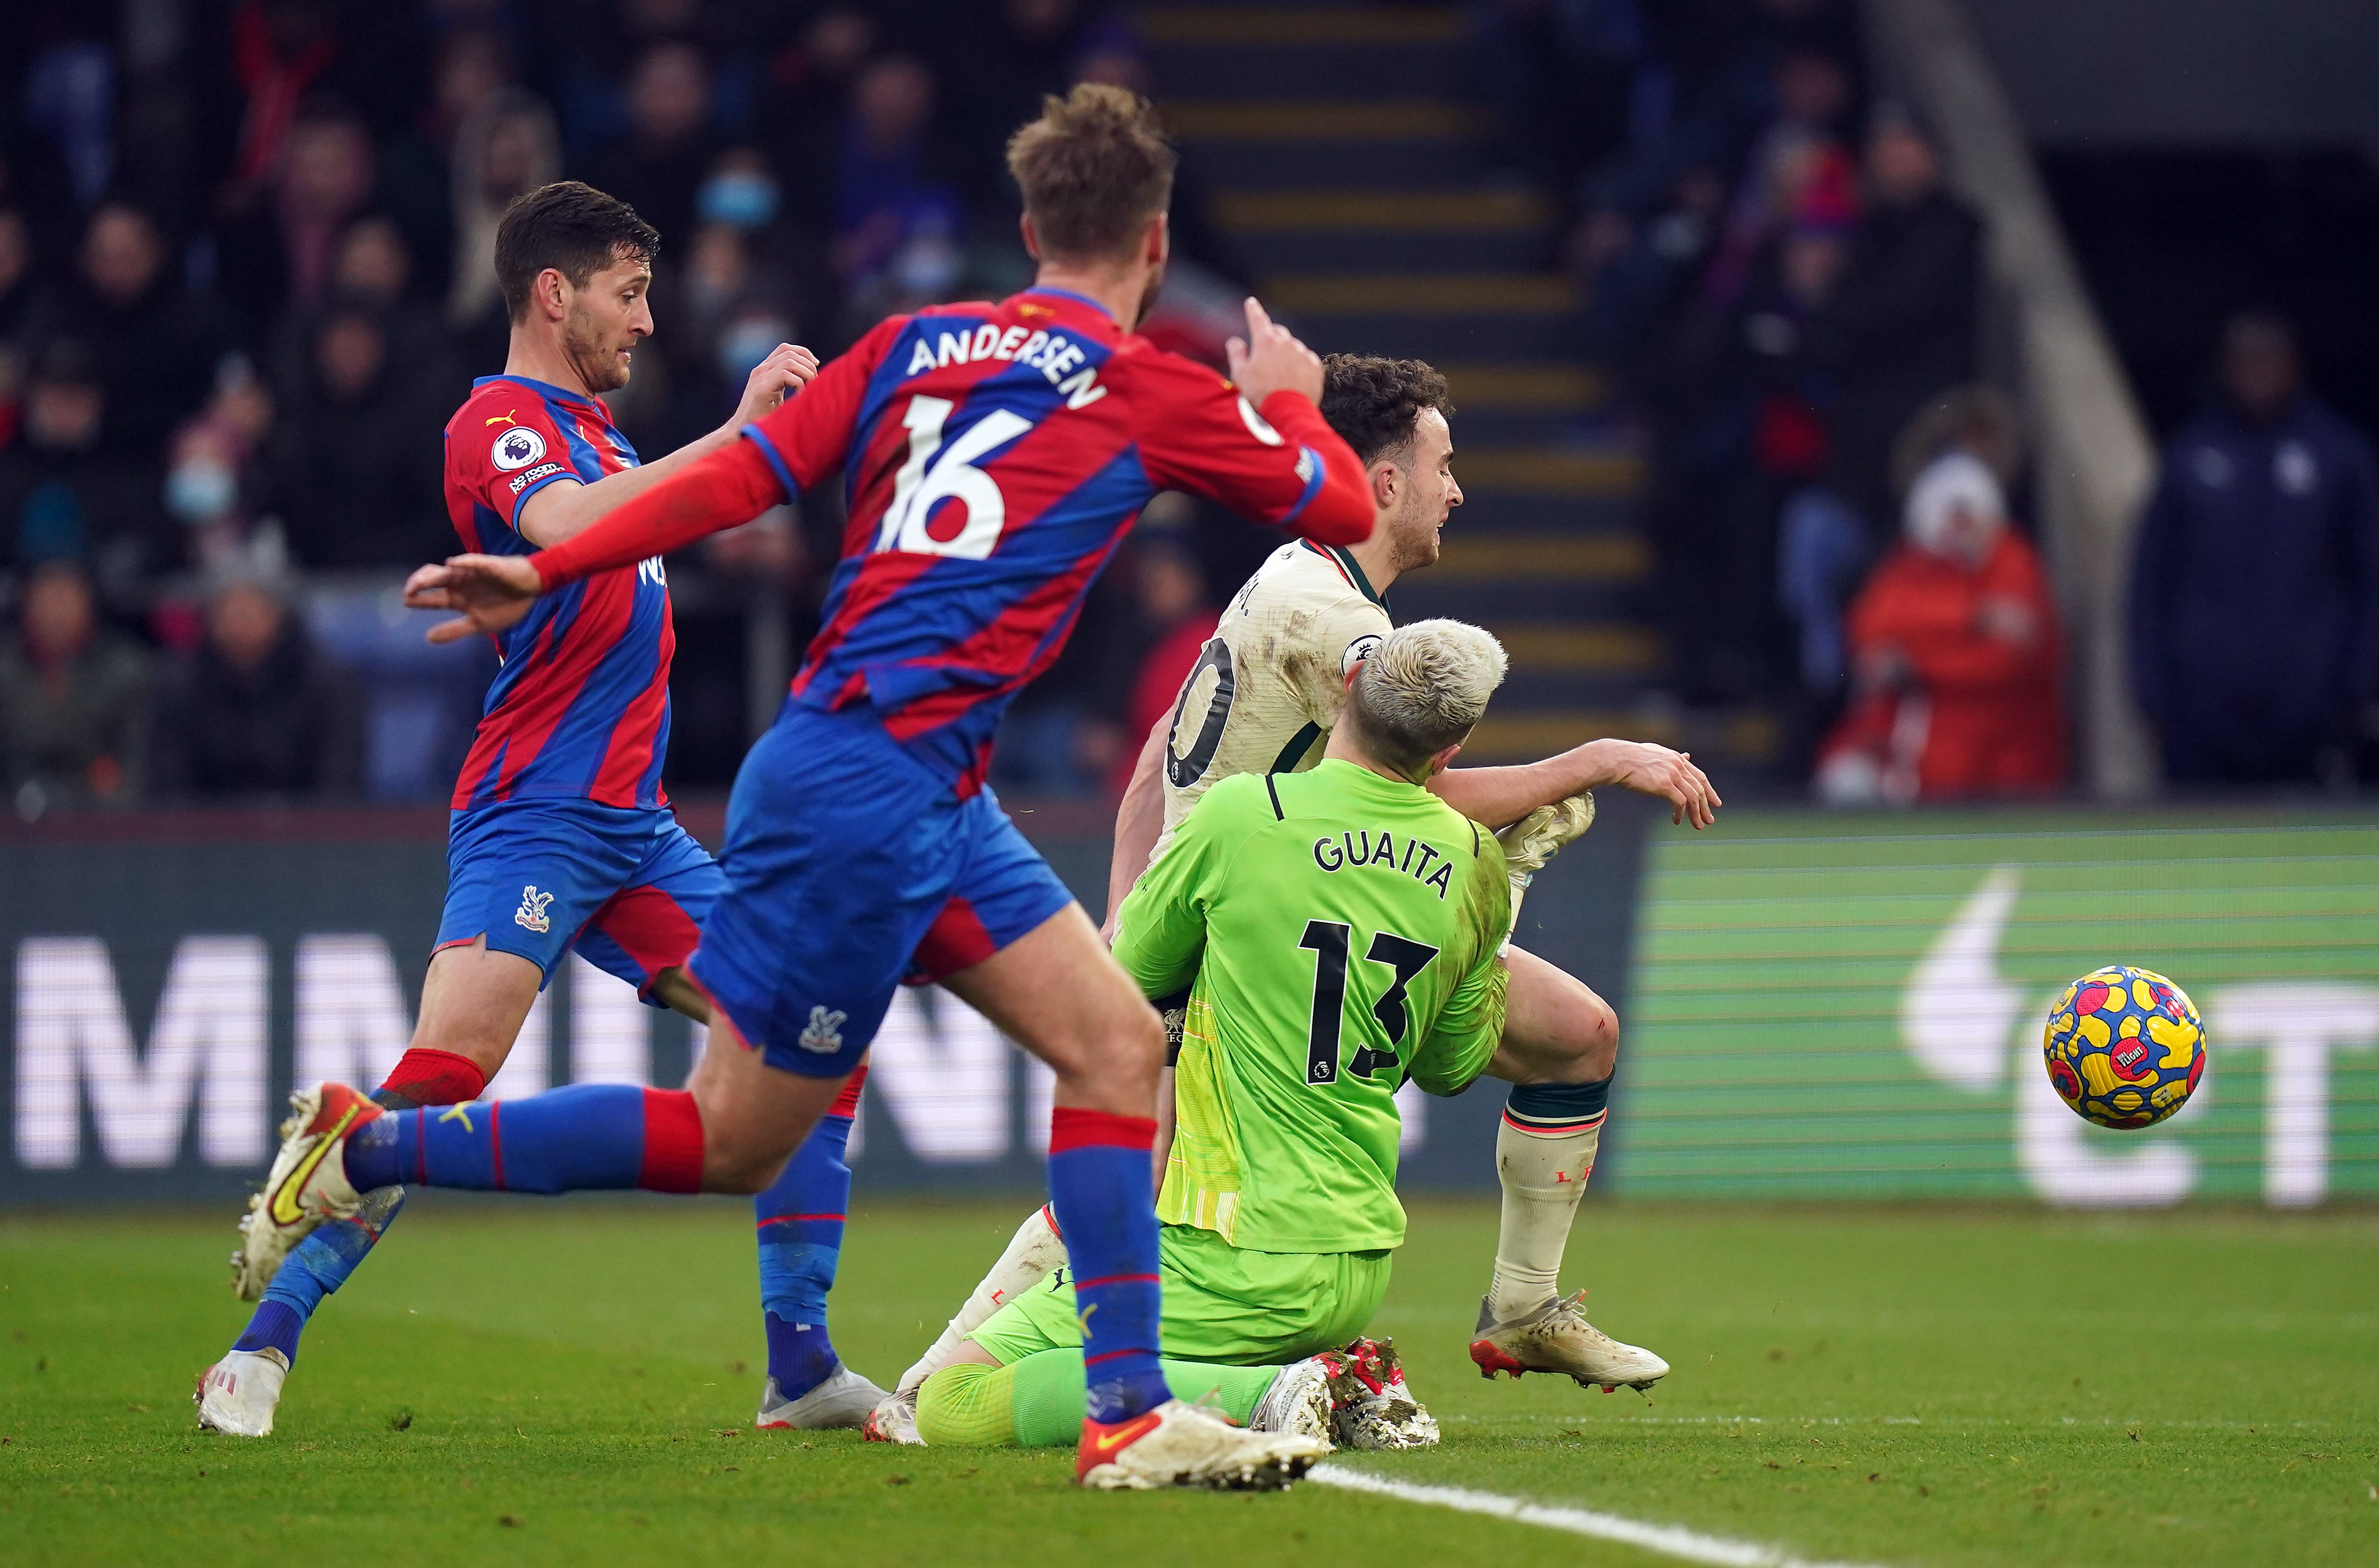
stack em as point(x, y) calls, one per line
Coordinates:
point(1357, 847)
point(503, 420)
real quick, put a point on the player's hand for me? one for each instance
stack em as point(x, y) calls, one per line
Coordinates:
point(1656, 770)
point(492, 591)
point(1271, 359)
point(787, 366)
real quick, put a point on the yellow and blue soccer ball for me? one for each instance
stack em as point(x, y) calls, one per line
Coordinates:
point(2125, 1047)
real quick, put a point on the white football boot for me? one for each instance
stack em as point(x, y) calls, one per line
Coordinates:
point(1371, 1407)
point(238, 1393)
point(844, 1400)
point(1181, 1444)
point(894, 1419)
point(1557, 1338)
point(308, 1185)
point(1298, 1401)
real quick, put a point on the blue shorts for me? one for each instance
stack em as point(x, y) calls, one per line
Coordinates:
point(628, 887)
point(850, 867)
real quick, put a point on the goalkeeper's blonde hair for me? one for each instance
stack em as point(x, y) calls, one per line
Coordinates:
point(1422, 690)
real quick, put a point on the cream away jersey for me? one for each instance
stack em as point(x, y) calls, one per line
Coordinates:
point(1268, 686)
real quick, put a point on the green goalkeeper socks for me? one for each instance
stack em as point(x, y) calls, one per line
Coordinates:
point(1037, 1401)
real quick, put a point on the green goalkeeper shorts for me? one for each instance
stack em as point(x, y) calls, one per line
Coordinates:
point(1221, 1304)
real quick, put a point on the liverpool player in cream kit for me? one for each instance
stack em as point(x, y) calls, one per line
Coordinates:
point(1263, 698)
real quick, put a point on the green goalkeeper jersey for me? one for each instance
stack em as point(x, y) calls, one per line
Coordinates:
point(1343, 928)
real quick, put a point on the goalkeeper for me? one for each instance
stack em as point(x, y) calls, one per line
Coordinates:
point(1343, 925)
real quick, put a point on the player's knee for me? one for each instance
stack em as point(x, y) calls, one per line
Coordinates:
point(739, 1169)
point(1113, 1056)
point(1602, 1043)
point(1588, 1039)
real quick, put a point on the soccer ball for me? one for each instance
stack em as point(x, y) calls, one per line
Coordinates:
point(2125, 1047)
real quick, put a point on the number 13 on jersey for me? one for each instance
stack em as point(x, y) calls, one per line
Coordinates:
point(1330, 941)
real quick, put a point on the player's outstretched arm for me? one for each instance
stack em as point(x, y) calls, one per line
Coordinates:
point(1500, 796)
point(565, 509)
point(494, 591)
point(1139, 821)
point(793, 446)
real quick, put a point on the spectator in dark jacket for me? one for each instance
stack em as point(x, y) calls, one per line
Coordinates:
point(658, 164)
point(74, 701)
point(259, 712)
point(353, 465)
point(64, 497)
point(284, 254)
point(156, 346)
point(1900, 327)
point(2256, 594)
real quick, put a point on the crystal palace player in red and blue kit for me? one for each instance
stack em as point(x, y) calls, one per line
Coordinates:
point(561, 836)
point(992, 457)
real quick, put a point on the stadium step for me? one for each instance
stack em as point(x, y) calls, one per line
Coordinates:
point(1356, 184)
point(1450, 231)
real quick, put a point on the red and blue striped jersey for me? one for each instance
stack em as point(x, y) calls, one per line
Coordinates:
point(994, 456)
point(581, 706)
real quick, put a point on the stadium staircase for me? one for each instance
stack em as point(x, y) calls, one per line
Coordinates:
point(1340, 157)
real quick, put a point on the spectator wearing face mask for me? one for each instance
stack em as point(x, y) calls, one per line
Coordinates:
point(730, 309)
point(152, 346)
point(208, 477)
point(74, 701)
point(65, 496)
point(2256, 585)
point(352, 466)
point(259, 712)
point(1955, 657)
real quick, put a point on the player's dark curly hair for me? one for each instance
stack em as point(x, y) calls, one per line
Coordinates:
point(1375, 404)
point(570, 227)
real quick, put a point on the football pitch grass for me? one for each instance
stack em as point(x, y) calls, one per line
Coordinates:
point(573, 1383)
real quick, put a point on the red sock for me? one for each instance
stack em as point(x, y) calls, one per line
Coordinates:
point(673, 1161)
point(847, 1103)
point(435, 1077)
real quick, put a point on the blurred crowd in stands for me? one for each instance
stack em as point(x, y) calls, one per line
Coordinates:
point(246, 273)
point(1793, 300)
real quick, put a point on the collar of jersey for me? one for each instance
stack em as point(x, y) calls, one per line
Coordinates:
point(1396, 788)
point(1347, 563)
point(546, 388)
point(1078, 299)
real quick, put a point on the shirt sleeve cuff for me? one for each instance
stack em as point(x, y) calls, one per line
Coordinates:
point(521, 500)
point(1309, 463)
point(754, 434)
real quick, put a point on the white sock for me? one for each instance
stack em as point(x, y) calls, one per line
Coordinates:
point(1543, 1166)
point(1032, 1251)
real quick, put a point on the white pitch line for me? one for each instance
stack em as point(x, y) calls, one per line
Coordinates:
point(1669, 1540)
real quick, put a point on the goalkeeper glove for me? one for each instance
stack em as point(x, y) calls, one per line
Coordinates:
point(1537, 838)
